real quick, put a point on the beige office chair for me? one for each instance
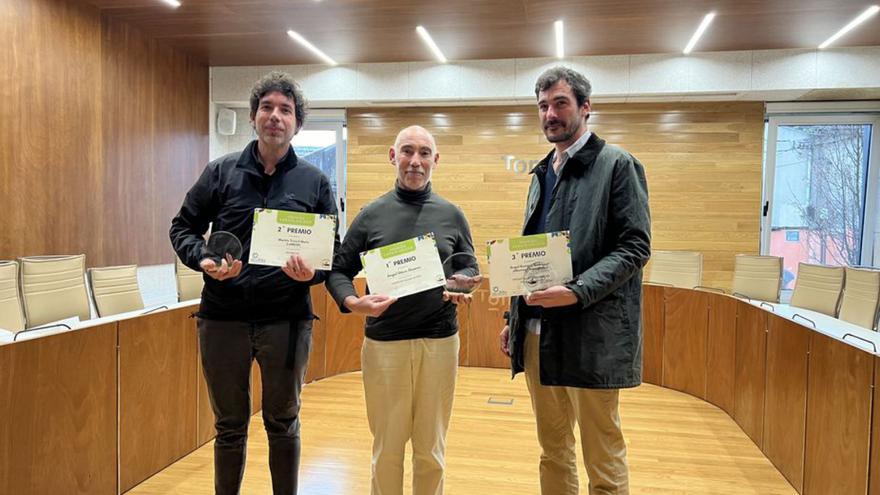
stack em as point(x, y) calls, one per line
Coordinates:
point(11, 310)
point(676, 268)
point(54, 288)
point(861, 298)
point(757, 277)
point(189, 281)
point(115, 289)
point(818, 287)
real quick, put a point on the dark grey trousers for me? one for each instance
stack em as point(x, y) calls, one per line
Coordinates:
point(282, 350)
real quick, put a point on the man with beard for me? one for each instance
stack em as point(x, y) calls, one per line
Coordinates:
point(249, 311)
point(580, 342)
point(410, 354)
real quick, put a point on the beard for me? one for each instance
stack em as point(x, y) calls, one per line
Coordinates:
point(567, 130)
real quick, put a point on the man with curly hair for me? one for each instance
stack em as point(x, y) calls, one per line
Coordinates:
point(248, 311)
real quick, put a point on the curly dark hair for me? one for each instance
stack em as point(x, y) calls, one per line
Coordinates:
point(283, 83)
point(580, 85)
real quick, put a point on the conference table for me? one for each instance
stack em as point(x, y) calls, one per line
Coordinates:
point(104, 406)
point(800, 384)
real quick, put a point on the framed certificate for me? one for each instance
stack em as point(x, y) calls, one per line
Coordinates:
point(279, 234)
point(522, 265)
point(405, 267)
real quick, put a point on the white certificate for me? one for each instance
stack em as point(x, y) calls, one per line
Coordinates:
point(521, 265)
point(279, 234)
point(405, 267)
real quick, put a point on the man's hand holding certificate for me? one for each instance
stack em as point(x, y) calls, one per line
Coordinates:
point(404, 268)
point(523, 265)
point(278, 235)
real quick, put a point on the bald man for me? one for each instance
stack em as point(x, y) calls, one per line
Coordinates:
point(410, 353)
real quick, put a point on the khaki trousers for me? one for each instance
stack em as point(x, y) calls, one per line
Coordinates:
point(409, 387)
point(596, 412)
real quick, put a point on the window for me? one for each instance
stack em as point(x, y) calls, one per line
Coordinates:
point(821, 191)
point(322, 142)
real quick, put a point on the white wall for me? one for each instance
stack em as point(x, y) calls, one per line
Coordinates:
point(768, 75)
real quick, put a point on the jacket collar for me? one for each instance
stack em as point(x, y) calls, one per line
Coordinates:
point(577, 163)
point(247, 162)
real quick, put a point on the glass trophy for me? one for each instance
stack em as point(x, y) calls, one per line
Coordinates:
point(539, 276)
point(221, 245)
point(462, 272)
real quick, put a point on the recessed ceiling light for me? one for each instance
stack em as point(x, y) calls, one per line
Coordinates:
point(699, 32)
point(423, 33)
point(312, 48)
point(560, 41)
point(173, 3)
point(853, 23)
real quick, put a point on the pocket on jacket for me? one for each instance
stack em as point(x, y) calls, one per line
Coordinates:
point(295, 204)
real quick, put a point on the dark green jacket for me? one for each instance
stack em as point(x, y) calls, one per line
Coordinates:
point(602, 198)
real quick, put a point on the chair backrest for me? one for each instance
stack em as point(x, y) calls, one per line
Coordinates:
point(11, 310)
point(53, 288)
point(676, 268)
point(758, 277)
point(818, 288)
point(189, 281)
point(861, 297)
point(115, 289)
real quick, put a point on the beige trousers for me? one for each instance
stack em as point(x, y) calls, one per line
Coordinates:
point(409, 387)
point(596, 412)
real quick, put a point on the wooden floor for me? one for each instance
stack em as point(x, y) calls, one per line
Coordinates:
point(677, 445)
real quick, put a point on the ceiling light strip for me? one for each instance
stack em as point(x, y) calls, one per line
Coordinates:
point(423, 33)
point(699, 32)
point(560, 39)
point(312, 48)
point(852, 24)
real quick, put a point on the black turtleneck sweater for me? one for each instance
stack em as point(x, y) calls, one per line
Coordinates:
point(396, 216)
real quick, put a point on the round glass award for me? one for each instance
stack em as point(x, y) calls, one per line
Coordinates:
point(462, 272)
point(222, 244)
point(538, 276)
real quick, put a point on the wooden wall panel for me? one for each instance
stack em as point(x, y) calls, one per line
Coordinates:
point(684, 343)
point(463, 314)
point(158, 393)
point(751, 366)
point(874, 472)
point(721, 352)
point(653, 325)
point(50, 129)
point(102, 130)
point(703, 162)
point(58, 414)
point(345, 336)
point(316, 369)
point(487, 320)
point(785, 399)
point(155, 130)
point(838, 417)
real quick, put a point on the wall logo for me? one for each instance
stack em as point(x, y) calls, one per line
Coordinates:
point(517, 165)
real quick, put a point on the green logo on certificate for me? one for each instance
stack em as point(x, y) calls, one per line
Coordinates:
point(398, 248)
point(296, 218)
point(528, 242)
